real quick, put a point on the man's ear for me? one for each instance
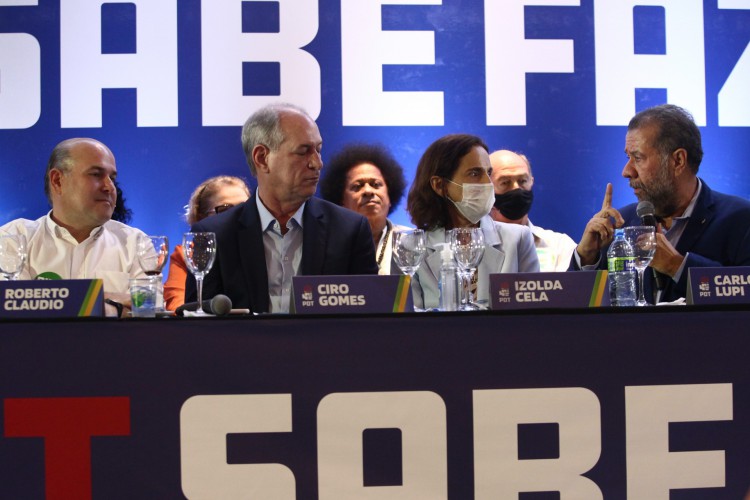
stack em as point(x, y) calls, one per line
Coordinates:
point(679, 160)
point(55, 180)
point(260, 157)
point(437, 185)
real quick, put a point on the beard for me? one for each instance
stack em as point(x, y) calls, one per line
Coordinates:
point(660, 191)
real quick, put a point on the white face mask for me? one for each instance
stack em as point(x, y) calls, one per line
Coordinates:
point(477, 200)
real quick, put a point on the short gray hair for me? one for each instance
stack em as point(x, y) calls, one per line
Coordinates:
point(59, 159)
point(264, 127)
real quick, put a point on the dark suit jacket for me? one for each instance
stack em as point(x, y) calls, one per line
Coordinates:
point(716, 235)
point(335, 241)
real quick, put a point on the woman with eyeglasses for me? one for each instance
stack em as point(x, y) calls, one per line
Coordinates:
point(213, 196)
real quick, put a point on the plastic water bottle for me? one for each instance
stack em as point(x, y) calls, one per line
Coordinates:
point(448, 280)
point(620, 258)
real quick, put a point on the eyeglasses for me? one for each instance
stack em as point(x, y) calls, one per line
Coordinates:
point(222, 208)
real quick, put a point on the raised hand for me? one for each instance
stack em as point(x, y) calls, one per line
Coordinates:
point(599, 230)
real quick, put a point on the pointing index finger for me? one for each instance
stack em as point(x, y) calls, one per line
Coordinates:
point(607, 203)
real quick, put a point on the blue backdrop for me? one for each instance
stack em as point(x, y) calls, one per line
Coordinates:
point(167, 85)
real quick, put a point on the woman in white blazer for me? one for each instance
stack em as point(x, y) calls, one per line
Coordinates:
point(452, 188)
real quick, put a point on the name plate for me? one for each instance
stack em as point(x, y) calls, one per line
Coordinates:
point(718, 285)
point(351, 294)
point(558, 290)
point(51, 298)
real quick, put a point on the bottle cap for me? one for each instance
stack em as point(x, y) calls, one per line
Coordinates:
point(446, 254)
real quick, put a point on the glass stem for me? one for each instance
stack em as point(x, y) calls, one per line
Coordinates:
point(465, 284)
point(199, 288)
point(641, 297)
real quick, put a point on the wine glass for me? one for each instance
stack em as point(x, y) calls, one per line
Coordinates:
point(13, 254)
point(467, 244)
point(409, 249)
point(643, 241)
point(153, 252)
point(200, 252)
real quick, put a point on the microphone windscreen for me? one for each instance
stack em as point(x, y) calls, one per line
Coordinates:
point(221, 305)
point(644, 209)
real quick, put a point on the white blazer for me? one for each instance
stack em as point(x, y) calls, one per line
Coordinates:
point(509, 248)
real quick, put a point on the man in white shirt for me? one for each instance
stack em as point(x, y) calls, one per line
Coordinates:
point(511, 175)
point(77, 239)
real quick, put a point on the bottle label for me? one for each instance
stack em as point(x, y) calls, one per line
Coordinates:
point(619, 264)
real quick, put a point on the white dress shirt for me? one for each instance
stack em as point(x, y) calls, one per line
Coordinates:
point(109, 253)
point(553, 249)
point(283, 253)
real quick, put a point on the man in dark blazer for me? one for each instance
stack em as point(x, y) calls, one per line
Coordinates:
point(282, 230)
point(697, 227)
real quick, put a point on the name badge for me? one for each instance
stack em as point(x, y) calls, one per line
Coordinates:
point(718, 285)
point(351, 294)
point(537, 290)
point(51, 298)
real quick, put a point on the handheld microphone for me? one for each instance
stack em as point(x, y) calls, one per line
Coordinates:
point(221, 305)
point(645, 210)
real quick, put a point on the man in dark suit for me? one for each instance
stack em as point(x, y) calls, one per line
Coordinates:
point(282, 230)
point(697, 227)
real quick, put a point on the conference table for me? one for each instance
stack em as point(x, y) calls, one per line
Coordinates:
point(577, 404)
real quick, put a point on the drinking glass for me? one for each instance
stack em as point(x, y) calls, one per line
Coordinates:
point(153, 252)
point(643, 241)
point(200, 252)
point(13, 254)
point(467, 244)
point(409, 249)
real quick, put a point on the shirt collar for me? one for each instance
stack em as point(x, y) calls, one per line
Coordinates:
point(268, 220)
point(689, 210)
point(60, 232)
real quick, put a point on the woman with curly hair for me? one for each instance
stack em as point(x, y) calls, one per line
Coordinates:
point(367, 179)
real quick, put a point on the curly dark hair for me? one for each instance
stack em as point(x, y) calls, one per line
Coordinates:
point(677, 129)
point(121, 213)
point(333, 184)
point(427, 208)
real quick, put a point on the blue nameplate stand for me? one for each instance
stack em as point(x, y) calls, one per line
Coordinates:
point(718, 285)
point(51, 298)
point(555, 290)
point(350, 294)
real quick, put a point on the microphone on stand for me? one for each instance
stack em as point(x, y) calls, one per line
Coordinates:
point(221, 305)
point(645, 210)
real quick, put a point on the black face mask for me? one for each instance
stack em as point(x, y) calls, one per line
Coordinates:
point(514, 204)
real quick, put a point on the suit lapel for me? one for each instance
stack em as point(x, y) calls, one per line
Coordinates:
point(701, 217)
point(252, 255)
point(494, 255)
point(433, 261)
point(314, 236)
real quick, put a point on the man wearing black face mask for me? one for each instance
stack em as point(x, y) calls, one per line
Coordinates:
point(511, 175)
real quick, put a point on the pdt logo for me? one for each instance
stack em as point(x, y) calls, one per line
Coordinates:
point(503, 295)
point(705, 287)
point(307, 296)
